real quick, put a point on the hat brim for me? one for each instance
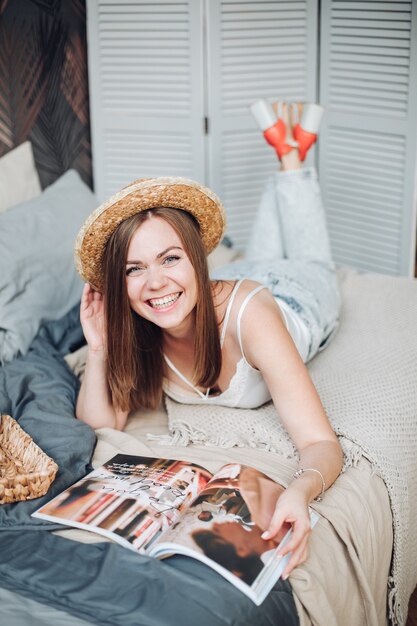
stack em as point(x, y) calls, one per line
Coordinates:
point(178, 193)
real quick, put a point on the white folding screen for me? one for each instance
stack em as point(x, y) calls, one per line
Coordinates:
point(159, 70)
point(367, 152)
point(255, 50)
point(146, 90)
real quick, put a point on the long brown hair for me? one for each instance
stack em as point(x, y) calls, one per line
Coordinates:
point(134, 345)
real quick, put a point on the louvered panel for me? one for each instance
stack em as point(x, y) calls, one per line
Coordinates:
point(385, 257)
point(262, 52)
point(146, 90)
point(265, 49)
point(375, 36)
point(162, 3)
point(386, 233)
point(245, 168)
point(367, 151)
point(364, 202)
point(362, 5)
point(385, 244)
point(342, 203)
point(135, 80)
point(132, 155)
point(377, 185)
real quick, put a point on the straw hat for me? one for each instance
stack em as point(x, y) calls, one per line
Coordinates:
point(142, 194)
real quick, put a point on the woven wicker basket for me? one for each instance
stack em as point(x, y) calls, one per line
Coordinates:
point(26, 472)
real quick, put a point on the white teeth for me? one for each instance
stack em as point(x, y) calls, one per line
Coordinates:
point(160, 303)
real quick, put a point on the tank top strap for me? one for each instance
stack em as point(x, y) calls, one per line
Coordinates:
point(240, 314)
point(225, 322)
point(185, 379)
point(228, 310)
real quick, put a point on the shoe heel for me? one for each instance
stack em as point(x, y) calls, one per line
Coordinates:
point(305, 133)
point(264, 114)
point(274, 129)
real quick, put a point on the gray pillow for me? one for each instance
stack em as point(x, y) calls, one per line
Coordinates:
point(38, 279)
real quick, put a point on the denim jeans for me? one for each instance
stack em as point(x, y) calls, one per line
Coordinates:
point(289, 251)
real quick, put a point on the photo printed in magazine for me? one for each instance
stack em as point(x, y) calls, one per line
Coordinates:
point(223, 526)
point(130, 499)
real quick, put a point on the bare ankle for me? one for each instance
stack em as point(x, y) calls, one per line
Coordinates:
point(290, 161)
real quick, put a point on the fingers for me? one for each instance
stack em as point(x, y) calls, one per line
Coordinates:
point(90, 301)
point(297, 544)
point(301, 530)
point(300, 533)
point(89, 294)
point(296, 547)
point(297, 557)
point(275, 524)
point(88, 291)
point(85, 297)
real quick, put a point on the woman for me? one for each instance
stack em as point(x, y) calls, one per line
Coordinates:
point(154, 321)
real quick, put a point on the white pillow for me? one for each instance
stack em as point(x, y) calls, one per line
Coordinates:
point(19, 179)
point(38, 279)
point(222, 255)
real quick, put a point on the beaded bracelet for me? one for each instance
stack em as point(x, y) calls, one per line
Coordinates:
point(301, 471)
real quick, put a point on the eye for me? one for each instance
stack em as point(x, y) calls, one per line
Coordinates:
point(172, 258)
point(134, 269)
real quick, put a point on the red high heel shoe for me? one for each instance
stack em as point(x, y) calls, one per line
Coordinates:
point(274, 130)
point(305, 132)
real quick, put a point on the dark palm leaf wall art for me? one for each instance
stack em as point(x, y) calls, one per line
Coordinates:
point(44, 84)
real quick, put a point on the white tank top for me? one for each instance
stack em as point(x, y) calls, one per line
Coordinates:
point(247, 388)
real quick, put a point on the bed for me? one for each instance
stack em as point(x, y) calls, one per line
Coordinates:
point(362, 567)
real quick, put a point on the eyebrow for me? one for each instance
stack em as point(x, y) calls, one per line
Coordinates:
point(158, 256)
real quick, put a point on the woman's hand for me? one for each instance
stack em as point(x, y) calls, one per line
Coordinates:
point(92, 318)
point(292, 508)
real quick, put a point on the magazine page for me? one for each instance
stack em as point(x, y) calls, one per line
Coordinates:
point(223, 528)
point(130, 499)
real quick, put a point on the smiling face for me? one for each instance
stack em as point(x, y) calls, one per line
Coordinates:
point(160, 279)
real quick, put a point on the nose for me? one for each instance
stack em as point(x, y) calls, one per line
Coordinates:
point(155, 278)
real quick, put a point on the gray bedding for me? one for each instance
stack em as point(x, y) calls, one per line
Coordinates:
point(101, 583)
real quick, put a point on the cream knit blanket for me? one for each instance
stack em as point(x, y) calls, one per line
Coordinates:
point(367, 380)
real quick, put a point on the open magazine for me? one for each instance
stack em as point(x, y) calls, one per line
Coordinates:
point(162, 507)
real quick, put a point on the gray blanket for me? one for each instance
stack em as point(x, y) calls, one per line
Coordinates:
point(102, 583)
